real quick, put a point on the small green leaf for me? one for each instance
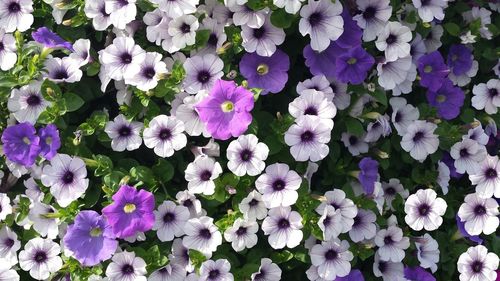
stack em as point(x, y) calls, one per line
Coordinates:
point(354, 126)
point(452, 28)
point(73, 102)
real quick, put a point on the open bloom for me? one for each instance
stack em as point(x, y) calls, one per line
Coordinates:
point(246, 155)
point(8, 51)
point(432, 70)
point(332, 258)
point(124, 134)
point(16, 14)
point(391, 244)
point(242, 234)
point(267, 73)
point(487, 96)
point(283, 227)
point(21, 145)
point(126, 266)
point(424, 210)
point(278, 185)
point(202, 235)
point(479, 214)
point(165, 135)
point(262, 40)
point(353, 65)
point(40, 257)
point(170, 220)
point(487, 177)
point(202, 72)
point(477, 264)
point(308, 138)
point(420, 140)
point(447, 99)
point(394, 41)
point(268, 271)
point(374, 16)
point(201, 174)
point(427, 252)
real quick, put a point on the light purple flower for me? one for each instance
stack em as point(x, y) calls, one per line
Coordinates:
point(49, 39)
point(20, 144)
point(49, 141)
point(267, 73)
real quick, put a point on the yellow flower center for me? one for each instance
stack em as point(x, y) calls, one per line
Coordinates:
point(352, 61)
point(441, 98)
point(262, 69)
point(129, 208)
point(427, 69)
point(26, 140)
point(48, 140)
point(227, 106)
point(95, 232)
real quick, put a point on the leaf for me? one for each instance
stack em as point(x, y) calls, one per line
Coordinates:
point(281, 256)
point(354, 126)
point(452, 28)
point(164, 170)
point(73, 102)
point(281, 19)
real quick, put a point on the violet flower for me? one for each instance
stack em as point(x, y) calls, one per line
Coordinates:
point(368, 174)
point(49, 141)
point(267, 73)
point(418, 273)
point(447, 99)
point(321, 63)
point(352, 65)
point(21, 145)
point(432, 70)
point(459, 59)
point(49, 39)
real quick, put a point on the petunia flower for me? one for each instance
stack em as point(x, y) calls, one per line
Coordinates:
point(267, 73)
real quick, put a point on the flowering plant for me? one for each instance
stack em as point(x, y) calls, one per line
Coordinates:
point(183, 140)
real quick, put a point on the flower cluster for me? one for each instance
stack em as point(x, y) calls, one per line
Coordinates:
point(188, 140)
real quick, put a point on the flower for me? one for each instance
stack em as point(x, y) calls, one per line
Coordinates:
point(459, 59)
point(67, 178)
point(330, 223)
point(151, 69)
point(318, 83)
point(262, 40)
point(428, 10)
point(126, 266)
point(188, 200)
point(477, 264)
point(9, 245)
point(244, 15)
point(90, 238)
point(267, 73)
point(432, 70)
point(291, 6)
point(50, 141)
point(170, 220)
point(417, 273)
point(424, 210)
point(63, 70)
point(368, 174)
point(43, 222)
point(40, 257)
point(394, 41)
point(121, 60)
point(480, 215)
point(278, 185)
point(96, 10)
point(202, 235)
point(464, 233)
point(337, 199)
point(320, 63)
point(130, 212)
point(120, 12)
point(351, 37)
point(201, 174)
point(242, 234)
point(246, 155)
point(392, 73)
point(253, 207)
point(171, 272)
point(420, 140)
point(391, 244)
point(447, 99)
point(391, 189)
point(467, 155)
point(487, 96)
point(312, 102)
point(5, 207)
point(165, 135)
point(427, 252)
point(354, 275)
point(16, 14)
point(322, 21)
point(352, 65)
point(364, 227)
point(354, 144)
point(387, 269)
point(202, 73)
point(124, 134)
point(81, 51)
point(283, 227)
point(218, 270)
point(373, 17)
point(177, 8)
point(8, 52)
point(187, 113)
point(20, 144)
point(183, 30)
point(226, 111)
point(308, 137)
point(332, 258)
point(487, 177)
point(268, 271)
point(6, 273)
point(49, 39)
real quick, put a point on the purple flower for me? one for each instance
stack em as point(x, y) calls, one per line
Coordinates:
point(49, 141)
point(226, 111)
point(450, 162)
point(354, 275)
point(131, 211)
point(321, 62)
point(417, 273)
point(351, 37)
point(461, 228)
point(352, 65)
point(459, 59)
point(268, 73)
point(432, 70)
point(49, 39)
point(368, 174)
point(90, 238)
point(21, 144)
point(448, 100)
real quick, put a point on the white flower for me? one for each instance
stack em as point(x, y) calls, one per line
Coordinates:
point(8, 50)
point(9, 245)
point(126, 266)
point(364, 227)
point(392, 73)
point(180, 256)
point(183, 30)
point(201, 72)
point(332, 258)
point(291, 6)
point(165, 135)
point(443, 179)
point(201, 174)
point(465, 78)
point(487, 96)
point(394, 41)
point(121, 60)
point(389, 271)
point(67, 178)
point(202, 235)
point(121, 12)
point(477, 134)
point(218, 270)
point(81, 51)
point(337, 199)
point(40, 257)
point(330, 223)
point(430, 9)
point(433, 40)
point(318, 83)
point(477, 264)
point(467, 155)
point(278, 185)
point(188, 200)
point(63, 70)
point(246, 155)
point(8, 274)
point(322, 21)
point(216, 38)
point(170, 272)
point(253, 207)
point(283, 227)
point(16, 14)
point(487, 178)
point(268, 271)
point(5, 207)
point(427, 252)
point(312, 102)
point(170, 220)
point(403, 114)
point(479, 214)
point(424, 210)
point(242, 234)
point(263, 39)
point(187, 113)
point(355, 145)
point(482, 14)
point(308, 138)
point(391, 189)
point(420, 140)
point(157, 26)
point(96, 10)
point(468, 38)
point(124, 134)
point(391, 244)
point(39, 214)
point(243, 15)
point(177, 8)
point(151, 70)
point(373, 17)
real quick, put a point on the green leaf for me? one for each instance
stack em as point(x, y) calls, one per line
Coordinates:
point(452, 28)
point(164, 170)
point(197, 258)
point(281, 19)
point(281, 256)
point(354, 126)
point(73, 102)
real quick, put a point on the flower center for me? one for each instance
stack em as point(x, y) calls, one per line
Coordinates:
point(424, 209)
point(185, 28)
point(428, 68)
point(283, 223)
point(26, 140)
point(454, 57)
point(246, 155)
point(68, 177)
point(205, 175)
point(390, 191)
point(168, 217)
point(352, 61)
point(1, 46)
point(227, 106)
point(311, 110)
point(493, 92)
point(188, 203)
point(14, 7)
point(203, 76)
point(205, 233)
point(149, 72)
point(33, 100)
point(327, 221)
point(127, 269)
point(259, 32)
point(96, 232)
point(241, 231)
point(213, 274)
point(165, 134)
point(129, 208)
point(61, 74)
point(391, 39)
point(315, 19)
point(441, 98)
point(331, 255)
point(353, 140)
point(262, 69)
point(124, 131)
point(306, 136)
point(477, 266)
point(212, 40)
point(40, 257)
point(126, 58)
point(464, 152)
point(418, 136)
point(491, 173)
point(397, 117)
point(48, 140)
point(357, 220)
point(369, 12)
point(388, 240)
point(278, 185)
point(253, 203)
point(8, 243)
point(479, 210)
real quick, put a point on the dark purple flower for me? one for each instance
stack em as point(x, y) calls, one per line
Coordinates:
point(351, 37)
point(461, 228)
point(21, 145)
point(368, 174)
point(321, 62)
point(131, 211)
point(90, 238)
point(267, 73)
point(354, 275)
point(352, 65)
point(432, 70)
point(417, 273)
point(450, 162)
point(49, 141)
point(459, 59)
point(448, 100)
point(49, 39)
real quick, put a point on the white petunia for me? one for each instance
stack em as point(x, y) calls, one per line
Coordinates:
point(278, 185)
point(253, 207)
point(165, 135)
point(170, 220)
point(391, 244)
point(477, 264)
point(268, 271)
point(9, 245)
point(424, 211)
point(394, 41)
point(332, 258)
point(8, 50)
point(242, 234)
point(374, 16)
point(126, 266)
point(467, 155)
point(283, 227)
point(420, 140)
point(124, 134)
point(183, 30)
point(121, 12)
point(201, 174)
point(16, 15)
point(40, 257)
point(427, 252)
point(262, 40)
point(487, 178)
point(201, 72)
point(337, 199)
point(480, 215)
point(246, 155)
point(487, 96)
point(202, 235)
point(308, 138)
point(151, 71)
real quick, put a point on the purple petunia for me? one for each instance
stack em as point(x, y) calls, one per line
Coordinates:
point(267, 73)
point(368, 174)
point(417, 273)
point(49, 39)
point(450, 162)
point(447, 99)
point(352, 65)
point(354, 275)
point(131, 211)
point(226, 110)
point(21, 145)
point(432, 70)
point(321, 63)
point(90, 238)
point(351, 37)
point(49, 141)
point(459, 59)
point(461, 228)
